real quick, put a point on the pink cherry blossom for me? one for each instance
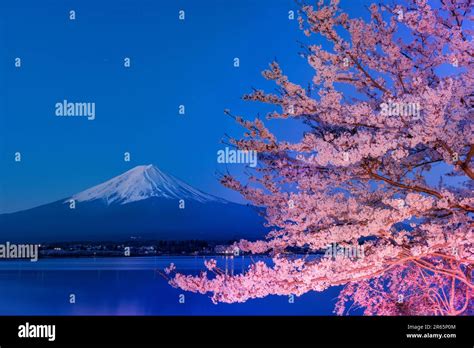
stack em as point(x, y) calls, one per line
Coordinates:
point(358, 175)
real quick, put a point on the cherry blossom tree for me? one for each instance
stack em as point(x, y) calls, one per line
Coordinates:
point(359, 174)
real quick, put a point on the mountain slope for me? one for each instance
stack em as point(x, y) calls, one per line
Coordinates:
point(140, 183)
point(142, 203)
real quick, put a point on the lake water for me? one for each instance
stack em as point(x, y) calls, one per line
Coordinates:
point(132, 286)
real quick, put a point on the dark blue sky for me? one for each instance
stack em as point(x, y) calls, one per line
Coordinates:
point(173, 63)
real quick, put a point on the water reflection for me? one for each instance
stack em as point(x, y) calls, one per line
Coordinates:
point(131, 286)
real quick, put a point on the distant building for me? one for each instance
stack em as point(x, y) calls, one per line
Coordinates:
point(227, 250)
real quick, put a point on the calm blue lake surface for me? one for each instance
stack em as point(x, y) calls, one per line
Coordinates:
point(131, 286)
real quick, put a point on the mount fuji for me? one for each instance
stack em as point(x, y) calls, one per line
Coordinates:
point(140, 183)
point(143, 202)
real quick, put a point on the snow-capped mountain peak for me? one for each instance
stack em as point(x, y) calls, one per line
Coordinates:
point(140, 183)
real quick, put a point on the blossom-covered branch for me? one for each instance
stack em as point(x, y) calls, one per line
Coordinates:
point(358, 176)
